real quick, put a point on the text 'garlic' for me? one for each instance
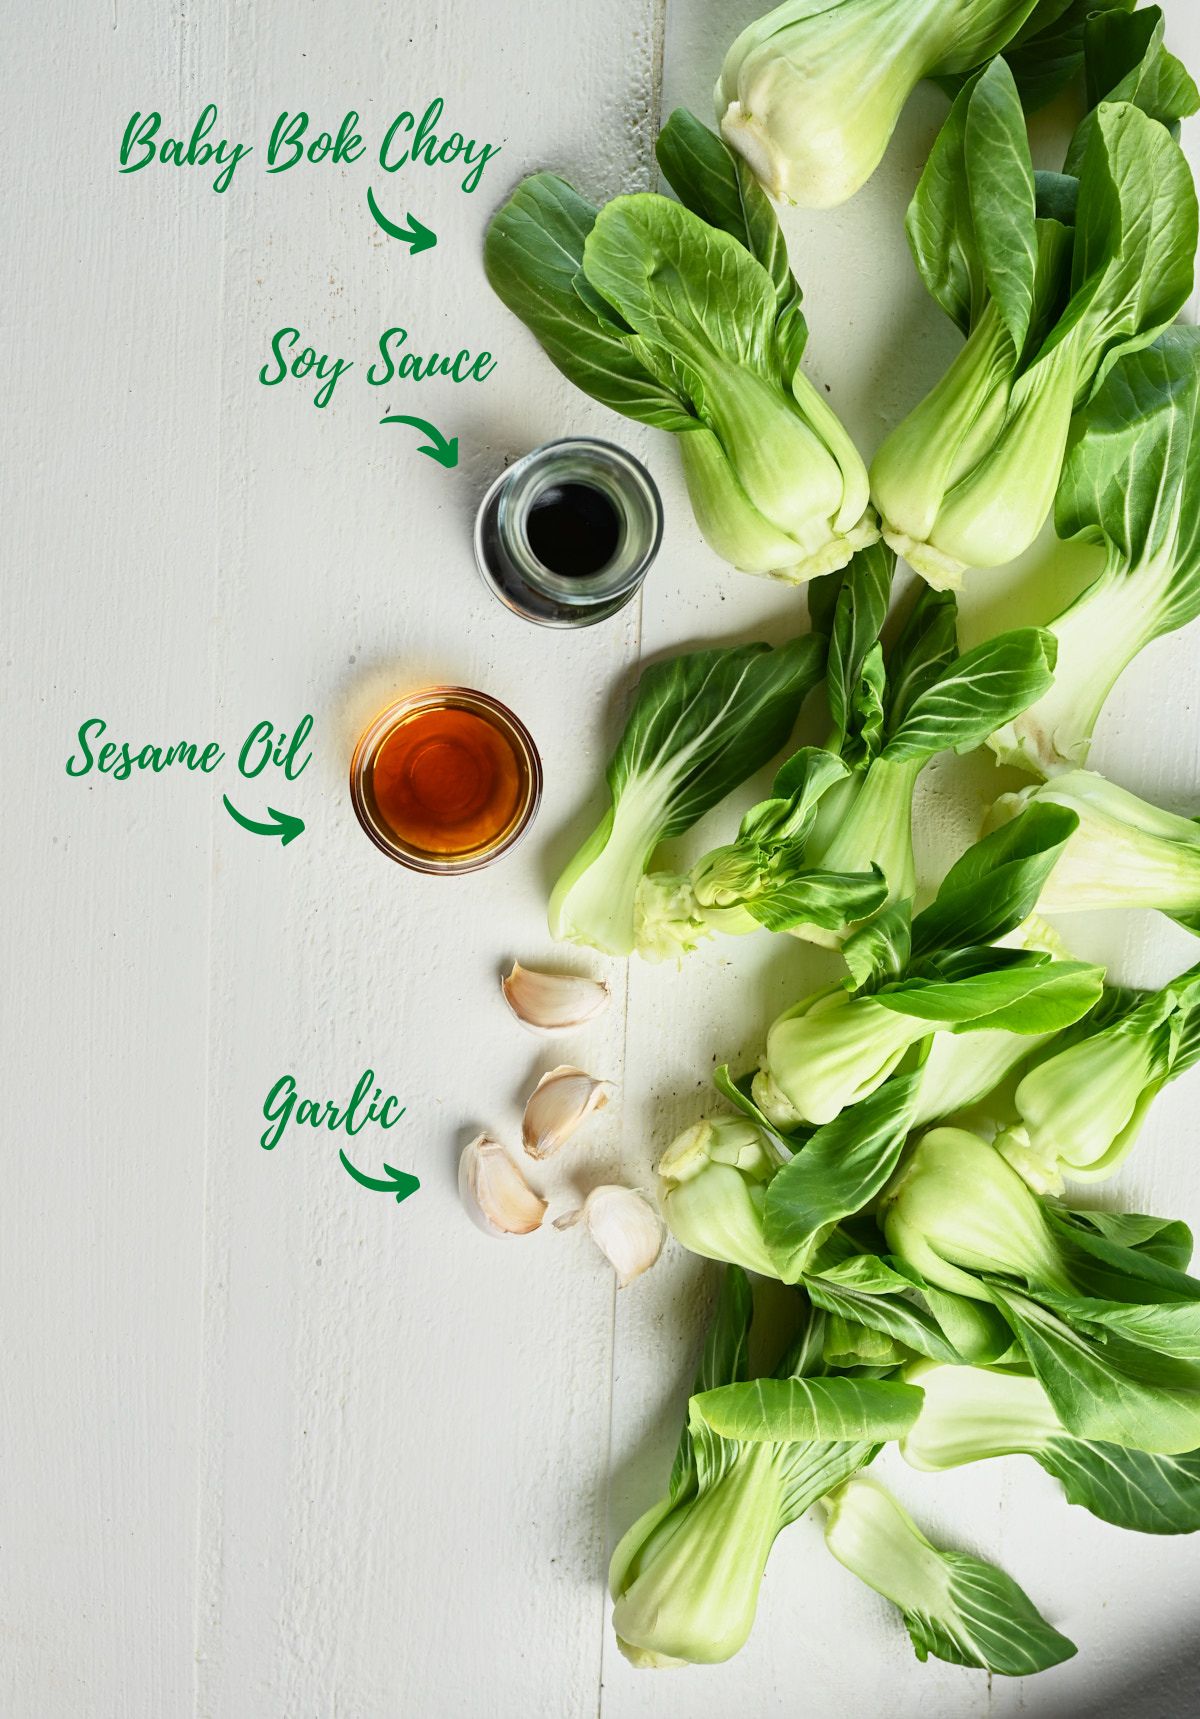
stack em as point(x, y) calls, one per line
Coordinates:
point(553, 1002)
point(497, 1196)
point(558, 1104)
point(624, 1226)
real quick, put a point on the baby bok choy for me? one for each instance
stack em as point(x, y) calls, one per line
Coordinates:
point(969, 1414)
point(955, 1607)
point(1082, 1107)
point(763, 878)
point(691, 322)
point(944, 972)
point(1131, 483)
point(753, 1456)
point(810, 93)
point(700, 724)
point(1124, 852)
point(895, 710)
point(1048, 297)
point(1109, 1327)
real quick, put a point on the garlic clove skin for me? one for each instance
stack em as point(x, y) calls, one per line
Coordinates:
point(553, 1002)
point(624, 1226)
point(559, 1102)
point(494, 1191)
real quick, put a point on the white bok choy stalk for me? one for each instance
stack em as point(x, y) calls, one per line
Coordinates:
point(688, 318)
point(1104, 1315)
point(970, 1414)
point(700, 724)
point(1131, 483)
point(955, 1607)
point(1048, 299)
point(810, 93)
point(753, 1456)
point(1125, 853)
point(1082, 1107)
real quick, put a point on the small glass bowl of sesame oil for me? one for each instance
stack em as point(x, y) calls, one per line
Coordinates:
point(446, 780)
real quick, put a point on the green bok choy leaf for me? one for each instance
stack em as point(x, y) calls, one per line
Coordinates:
point(945, 971)
point(969, 1414)
point(1131, 483)
point(701, 723)
point(956, 1607)
point(1124, 853)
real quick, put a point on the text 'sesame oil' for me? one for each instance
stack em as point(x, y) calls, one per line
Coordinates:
point(446, 781)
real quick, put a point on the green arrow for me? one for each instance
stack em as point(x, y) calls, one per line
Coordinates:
point(443, 451)
point(286, 824)
point(416, 234)
point(401, 1183)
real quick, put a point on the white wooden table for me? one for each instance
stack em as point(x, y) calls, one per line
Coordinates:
point(272, 1446)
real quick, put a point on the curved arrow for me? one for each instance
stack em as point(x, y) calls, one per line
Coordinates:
point(401, 1183)
point(443, 451)
point(416, 234)
point(286, 824)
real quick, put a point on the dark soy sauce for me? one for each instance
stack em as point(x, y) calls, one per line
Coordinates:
point(573, 530)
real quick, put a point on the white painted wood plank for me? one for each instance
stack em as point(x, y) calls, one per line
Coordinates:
point(405, 1423)
point(110, 476)
point(823, 1643)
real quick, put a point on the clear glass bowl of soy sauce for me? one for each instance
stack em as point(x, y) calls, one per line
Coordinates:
point(566, 536)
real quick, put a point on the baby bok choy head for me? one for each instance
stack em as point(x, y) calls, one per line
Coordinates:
point(945, 971)
point(701, 723)
point(969, 1414)
point(752, 1458)
point(1108, 1323)
point(687, 317)
point(895, 710)
point(955, 1607)
point(1081, 1108)
point(810, 93)
point(1131, 483)
point(1048, 297)
point(1124, 853)
point(712, 1189)
point(763, 877)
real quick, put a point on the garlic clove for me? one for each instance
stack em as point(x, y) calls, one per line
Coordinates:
point(624, 1226)
point(494, 1191)
point(557, 1105)
point(553, 1002)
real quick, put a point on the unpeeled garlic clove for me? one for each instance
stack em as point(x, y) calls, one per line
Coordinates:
point(624, 1226)
point(557, 1105)
point(553, 1002)
point(495, 1193)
